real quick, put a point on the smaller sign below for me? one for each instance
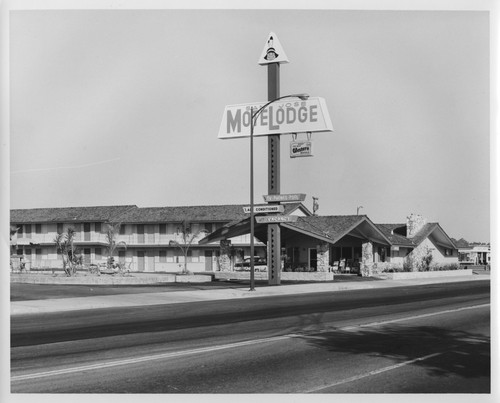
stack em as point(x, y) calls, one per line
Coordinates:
point(295, 197)
point(276, 218)
point(300, 149)
point(265, 209)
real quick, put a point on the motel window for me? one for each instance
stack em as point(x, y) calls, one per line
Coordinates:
point(163, 229)
point(38, 252)
point(27, 229)
point(60, 228)
point(98, 227)
point(122, 229)
point(19, 252)
point(163, 256)
point(19, 231)
point(38, 228)
point(27, 252)
point(98, 253)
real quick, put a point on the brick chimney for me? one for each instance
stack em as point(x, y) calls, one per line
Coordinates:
point(414, 223)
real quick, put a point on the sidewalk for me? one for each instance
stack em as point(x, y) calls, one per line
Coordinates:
point(175, 297)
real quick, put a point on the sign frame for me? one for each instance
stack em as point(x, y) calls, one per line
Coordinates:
point(281, 117)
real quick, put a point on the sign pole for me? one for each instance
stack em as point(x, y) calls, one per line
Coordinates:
point(252, 225)
point(273, 230)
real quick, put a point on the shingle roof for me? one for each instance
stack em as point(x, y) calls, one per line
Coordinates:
point(329, 226)
point(461, 243)
point(68, 214)
point(183, 213)
point(134, 214)
point(396, 239)
point(424, 232)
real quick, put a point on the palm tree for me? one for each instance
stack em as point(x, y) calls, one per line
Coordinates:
point(187, 239)
point(112, 232)
point(65, 244)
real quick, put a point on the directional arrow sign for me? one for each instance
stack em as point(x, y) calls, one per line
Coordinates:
point(272, 219)
point(265, 209)
point(281, 117)
point(295, 197)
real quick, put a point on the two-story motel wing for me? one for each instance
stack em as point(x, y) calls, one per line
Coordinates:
point(152, 236)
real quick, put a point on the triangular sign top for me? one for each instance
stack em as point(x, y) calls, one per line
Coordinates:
point(273, 52)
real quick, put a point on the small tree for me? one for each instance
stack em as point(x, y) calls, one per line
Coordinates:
point(112, 232)
point(70, 256)
point(13, 231)
point(187, 239)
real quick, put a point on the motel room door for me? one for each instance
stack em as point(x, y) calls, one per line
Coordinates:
point(140, 260)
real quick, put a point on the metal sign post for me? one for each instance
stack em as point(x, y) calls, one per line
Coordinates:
point(273, 182)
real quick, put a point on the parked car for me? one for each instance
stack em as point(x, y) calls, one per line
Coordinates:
point(258, 262)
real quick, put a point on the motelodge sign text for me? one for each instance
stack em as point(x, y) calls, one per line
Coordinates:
point(281, 117)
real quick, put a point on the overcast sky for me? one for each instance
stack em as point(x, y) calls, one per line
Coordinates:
point(114, 107)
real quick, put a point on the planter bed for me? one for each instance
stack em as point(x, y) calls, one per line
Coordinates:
point(424, 274)
point(108, 279)
point(286, 276)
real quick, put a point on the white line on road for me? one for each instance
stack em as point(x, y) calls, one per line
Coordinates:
point(374, 372)
point(425, 315)
point(146, 358)
point(229, 346)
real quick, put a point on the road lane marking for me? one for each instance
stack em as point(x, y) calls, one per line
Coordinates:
point(425, 315)
point(219, 347)
point(146, 358)
point(374, 372)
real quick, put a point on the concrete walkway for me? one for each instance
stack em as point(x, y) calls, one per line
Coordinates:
point(175, 297)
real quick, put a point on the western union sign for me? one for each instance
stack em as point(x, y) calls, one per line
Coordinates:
point(281, 117)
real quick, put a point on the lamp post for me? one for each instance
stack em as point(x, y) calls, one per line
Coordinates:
point(253, 117)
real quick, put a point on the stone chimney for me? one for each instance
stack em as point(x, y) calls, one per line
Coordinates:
point(414, 223)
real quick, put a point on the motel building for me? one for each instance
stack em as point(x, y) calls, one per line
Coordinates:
point(219, 239)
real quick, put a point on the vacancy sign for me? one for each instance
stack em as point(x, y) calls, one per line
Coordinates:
point(280, 117)
point(265, 209)
point(271, 219)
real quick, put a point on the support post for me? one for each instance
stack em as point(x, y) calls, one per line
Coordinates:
point(273, 230)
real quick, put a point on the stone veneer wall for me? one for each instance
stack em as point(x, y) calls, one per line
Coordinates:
point(225, 258)
point(323, 257)
point(366, 266)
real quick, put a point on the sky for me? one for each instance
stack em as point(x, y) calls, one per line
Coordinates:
point(123, 106)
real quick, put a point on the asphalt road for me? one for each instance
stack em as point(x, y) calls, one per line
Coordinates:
point(430, 339)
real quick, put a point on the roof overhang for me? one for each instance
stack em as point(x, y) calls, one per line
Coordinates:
point(363, 229)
